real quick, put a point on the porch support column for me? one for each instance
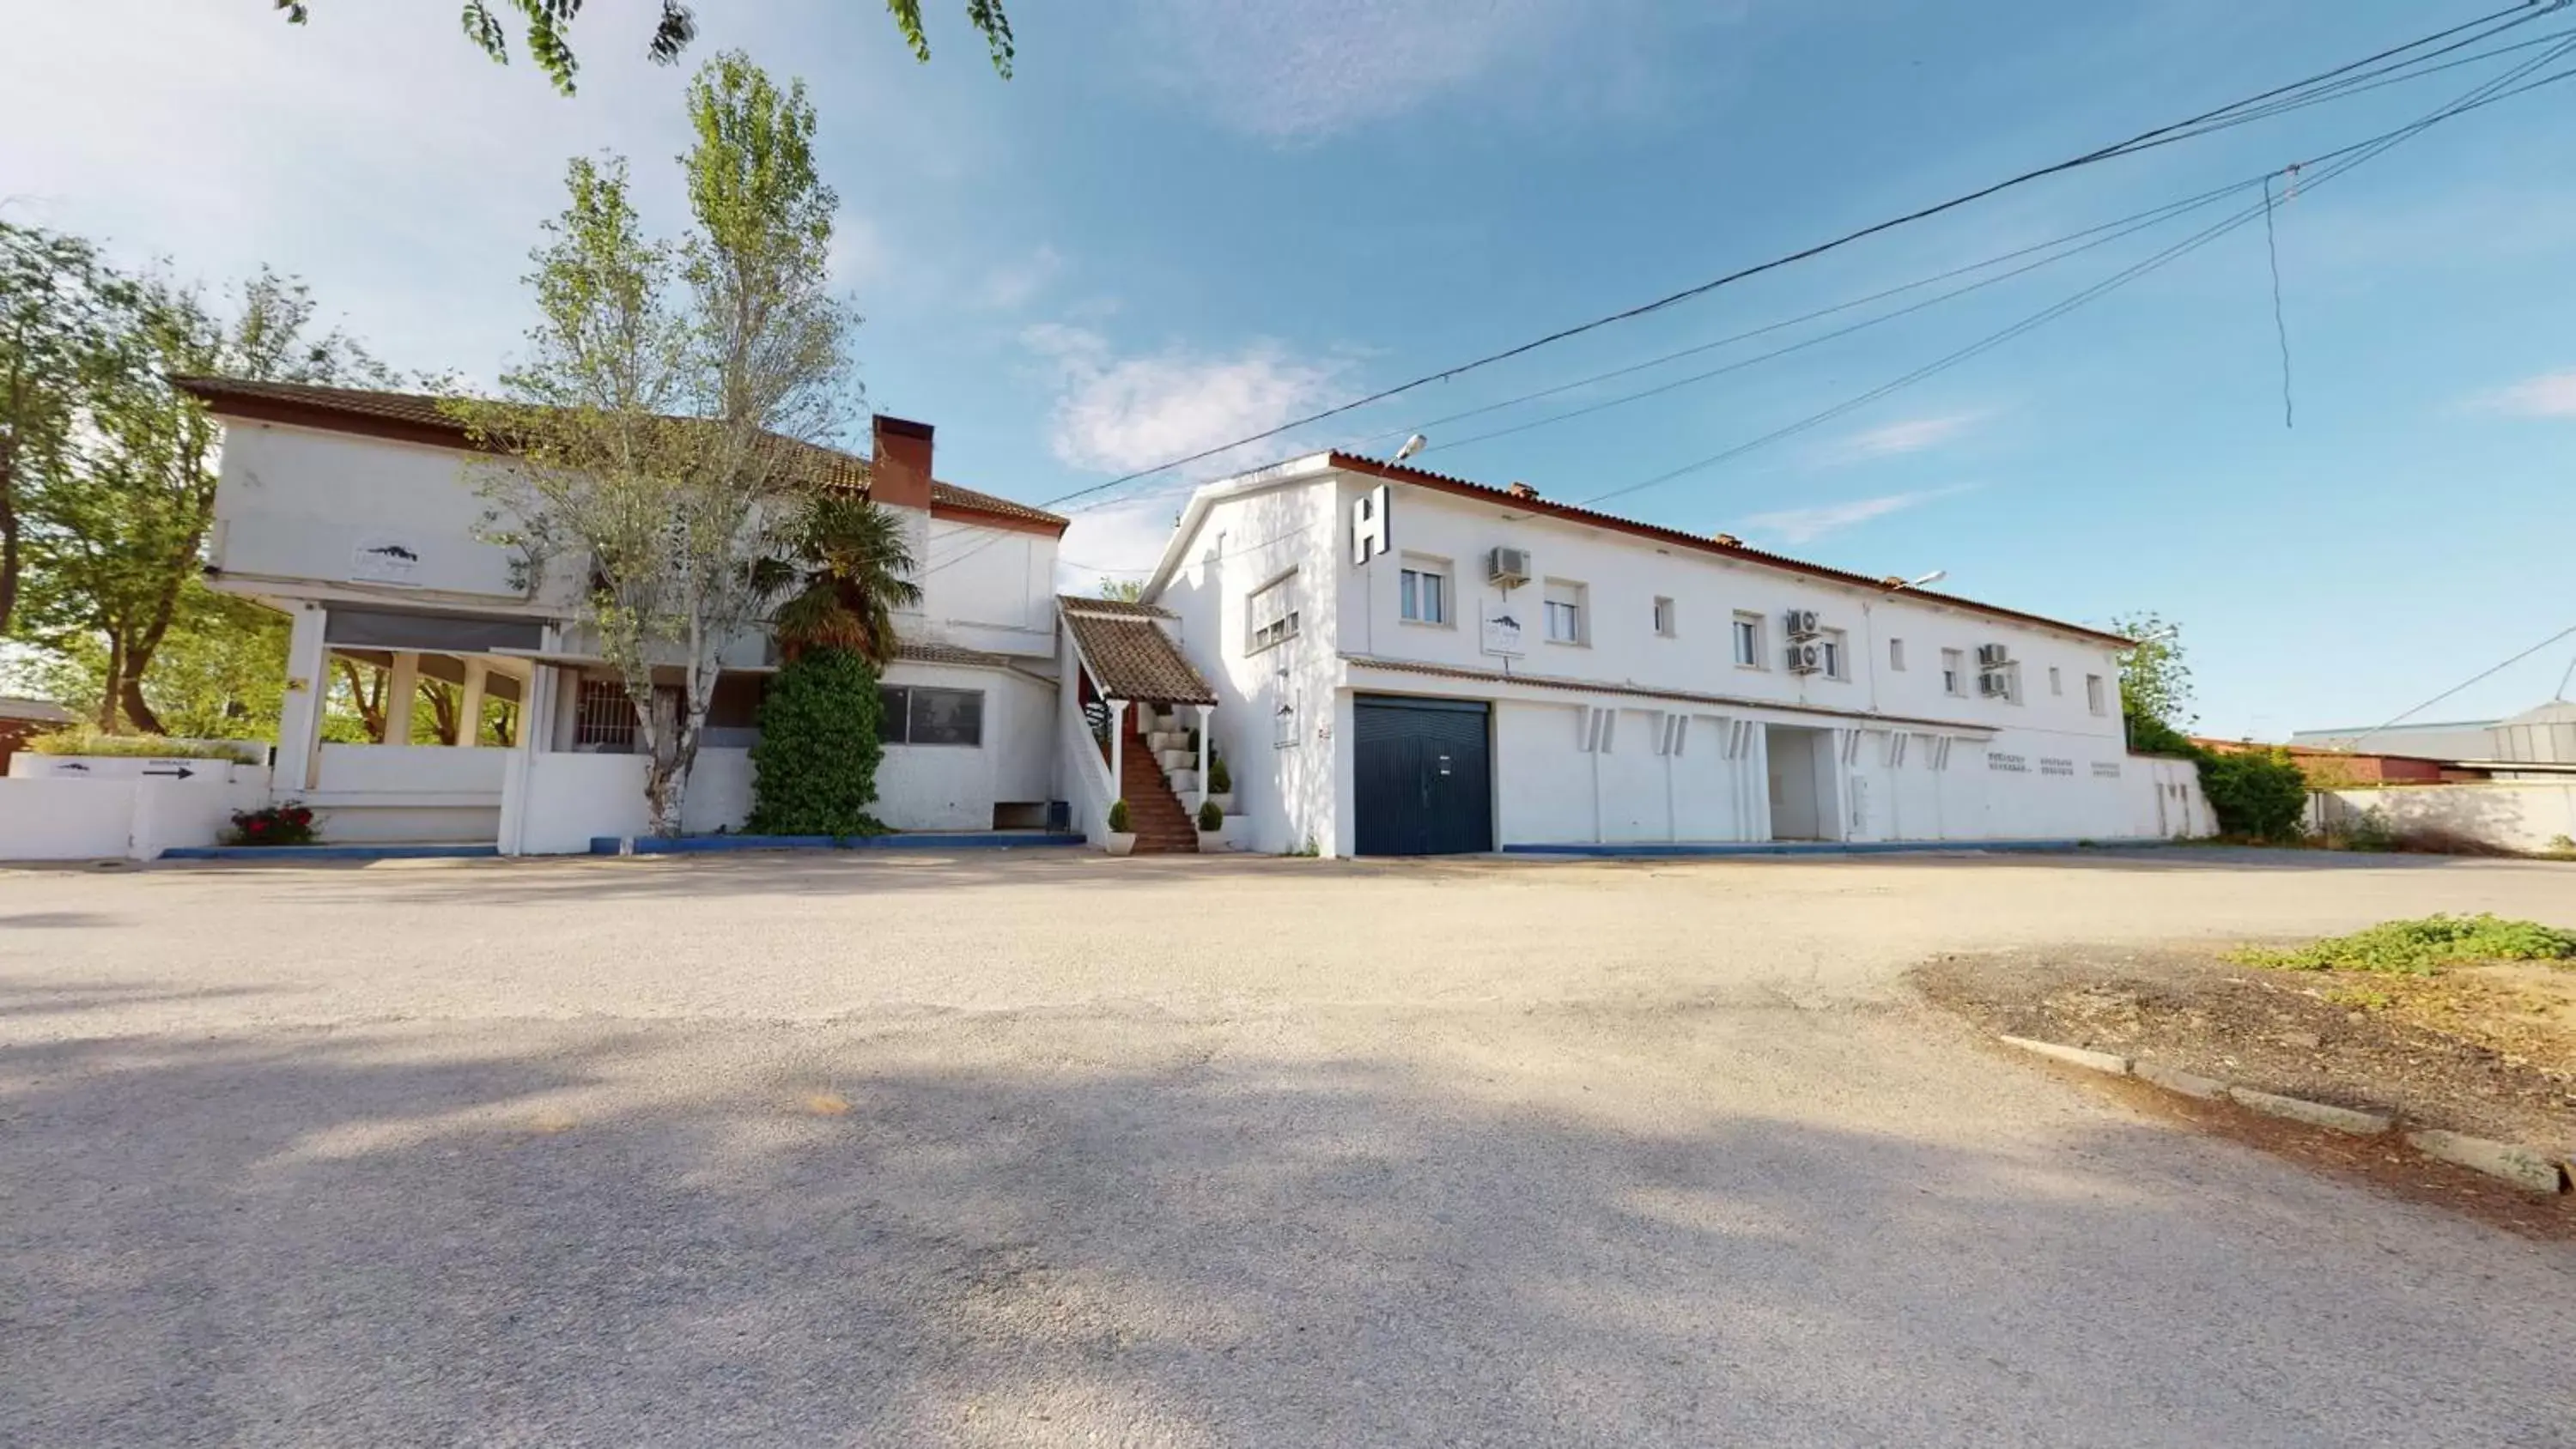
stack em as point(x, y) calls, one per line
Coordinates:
point(1117, 748)
point(469, 710)
point(1201, 803)
point(299, 721)
point(402, 687)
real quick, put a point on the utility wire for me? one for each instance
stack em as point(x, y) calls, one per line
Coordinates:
point(2174, 129)
point(2281, 328)
point(2354, 744)
point(2458, 107)
point(2361, 155)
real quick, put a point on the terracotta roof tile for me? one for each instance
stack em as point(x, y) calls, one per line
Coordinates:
point(1130, 657)
point(931, 652)
point(419, 418)
point(1113, 608)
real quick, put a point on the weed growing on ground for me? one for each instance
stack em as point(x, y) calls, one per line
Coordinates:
point(2421, 947)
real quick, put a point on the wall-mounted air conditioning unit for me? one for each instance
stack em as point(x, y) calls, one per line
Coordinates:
point(1997, 685)
point(1806, 658)
point(1509, 567)
point(1803, 624)
point(1992, 656)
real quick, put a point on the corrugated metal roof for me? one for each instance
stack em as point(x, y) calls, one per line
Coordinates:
point(420, 417)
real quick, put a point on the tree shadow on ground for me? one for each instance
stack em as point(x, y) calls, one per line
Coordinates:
point(903, 1234)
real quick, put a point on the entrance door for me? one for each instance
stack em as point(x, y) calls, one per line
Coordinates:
point(1424, 776)
point(1798, 757)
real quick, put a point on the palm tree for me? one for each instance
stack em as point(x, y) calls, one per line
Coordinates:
point(851, 572)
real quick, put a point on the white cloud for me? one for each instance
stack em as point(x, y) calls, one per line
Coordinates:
point(1116, 414)
point(1016, 283)
point(1120, 541)
point(1913, 435)
point(1804, 525)
point(2550, 395)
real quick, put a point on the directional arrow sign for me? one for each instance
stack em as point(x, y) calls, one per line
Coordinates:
point(181, 773)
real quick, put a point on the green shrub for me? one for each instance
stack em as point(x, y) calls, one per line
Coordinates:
point(814, 771)
point(1119, 823)
point(2151, 736)
point(1220, 779)
point(1211, 816)
point(2257, 794)
point(83, 740)
point(2421, 948)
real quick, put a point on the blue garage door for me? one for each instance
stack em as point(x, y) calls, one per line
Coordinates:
point(1424, 773)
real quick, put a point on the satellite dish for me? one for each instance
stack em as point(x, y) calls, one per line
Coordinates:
point(1412, 445)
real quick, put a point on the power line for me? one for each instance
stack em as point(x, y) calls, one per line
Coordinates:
point(2527, 10)
point(2354, 744)
point(2354, 156)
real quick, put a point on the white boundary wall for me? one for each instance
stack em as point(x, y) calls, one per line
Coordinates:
point(2516, 816)
point(133, 816)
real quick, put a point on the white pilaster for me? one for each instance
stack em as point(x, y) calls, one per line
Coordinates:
point(1201, 803)
point(1117, 748)
point(469, 711)
point(402, 687)
point(299, 723)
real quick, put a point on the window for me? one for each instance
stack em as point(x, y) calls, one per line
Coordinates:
point(1565, 624)
point(2093, 693)
point(2056, 683)
point(1748, 640)
point(1896, 655)
point(1270, 613)
point(603, 720)
point(1425, 591)
point(1954, 672)
point(1836, 645)
point(911, 714)
point(1664, 616)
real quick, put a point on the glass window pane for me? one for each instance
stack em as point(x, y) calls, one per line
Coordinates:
point(893, 703)
point(947, 717)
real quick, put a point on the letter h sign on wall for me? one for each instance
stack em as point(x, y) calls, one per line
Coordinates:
point(1370, 529)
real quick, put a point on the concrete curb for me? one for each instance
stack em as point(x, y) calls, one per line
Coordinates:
point(2524, 1167)
point(2496, 1159)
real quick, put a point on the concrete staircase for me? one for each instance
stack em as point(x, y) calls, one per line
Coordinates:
point(1162, 823)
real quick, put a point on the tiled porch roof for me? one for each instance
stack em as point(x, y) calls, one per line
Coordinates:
point(1129, 655)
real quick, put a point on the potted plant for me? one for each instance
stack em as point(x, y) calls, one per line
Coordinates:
point(285, 823)
point(1220, 784)
point(1211, 828)
point(1122, 838)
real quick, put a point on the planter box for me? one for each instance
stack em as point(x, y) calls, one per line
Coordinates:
point(1224, 800)
point(1120, 842)
point(1212, 842)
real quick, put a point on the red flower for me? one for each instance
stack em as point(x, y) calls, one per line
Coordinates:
point(256, 824)
point(299, 817)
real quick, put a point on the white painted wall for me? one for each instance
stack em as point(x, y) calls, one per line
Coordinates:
point(989, 588)
point(137, 817)
point(410, 770)
point(954, 787)
point(2047, 766)
point(28, 765)
point(299, 505)
point(2520, 816)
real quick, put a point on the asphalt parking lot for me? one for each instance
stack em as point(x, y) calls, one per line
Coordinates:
point(1044, 1148)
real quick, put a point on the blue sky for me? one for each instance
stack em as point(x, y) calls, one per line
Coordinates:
point(1185, 220)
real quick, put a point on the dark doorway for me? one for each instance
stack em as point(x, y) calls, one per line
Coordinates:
point(1423, 774)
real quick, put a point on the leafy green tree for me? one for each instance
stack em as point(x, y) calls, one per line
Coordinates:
point(61, 310)
point(814, 771)
point(660, 436)
point(1125, 591)
point(546, 22)
point(2256, 793)
point(2155, 679)
point(117, 524)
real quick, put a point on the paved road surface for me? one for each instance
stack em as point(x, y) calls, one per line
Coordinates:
point(1058, 1150)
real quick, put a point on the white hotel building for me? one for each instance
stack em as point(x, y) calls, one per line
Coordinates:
point(1411, 663)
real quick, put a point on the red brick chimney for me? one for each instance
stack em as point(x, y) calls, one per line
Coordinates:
point(900, 476)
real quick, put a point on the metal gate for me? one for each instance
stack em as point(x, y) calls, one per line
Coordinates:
point(1423, 768)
